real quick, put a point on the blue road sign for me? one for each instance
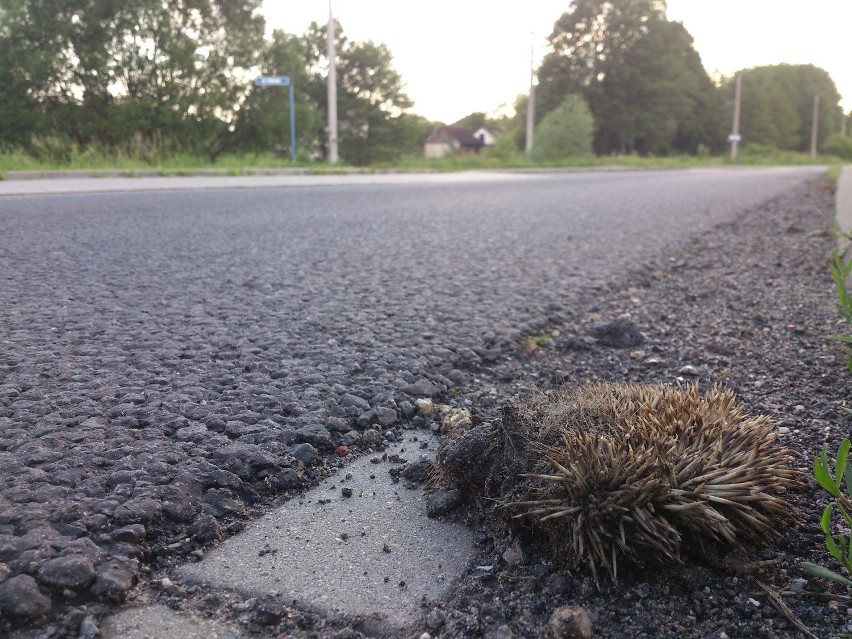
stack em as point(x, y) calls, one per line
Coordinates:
point(282, 81)
point(272, 81)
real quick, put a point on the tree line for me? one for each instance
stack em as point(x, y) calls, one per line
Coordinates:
point(649, 93)
point(154, 78)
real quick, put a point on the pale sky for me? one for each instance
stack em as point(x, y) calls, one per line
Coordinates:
point(460, 56)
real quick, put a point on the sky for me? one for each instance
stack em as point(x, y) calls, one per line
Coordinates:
point(461, 56)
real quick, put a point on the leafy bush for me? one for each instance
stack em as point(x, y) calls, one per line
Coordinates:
point(839, 547)
point(565, 132)
point(52, 149)
point(838, 146)
point(840, 271)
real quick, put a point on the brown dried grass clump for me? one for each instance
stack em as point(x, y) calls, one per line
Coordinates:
point(631, 472)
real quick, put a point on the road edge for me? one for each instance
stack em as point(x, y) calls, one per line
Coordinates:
point(844, 199)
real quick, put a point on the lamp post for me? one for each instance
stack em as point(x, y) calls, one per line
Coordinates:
point(332, 89)
point(531, 101)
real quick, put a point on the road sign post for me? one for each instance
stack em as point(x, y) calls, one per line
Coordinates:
point(282, 81)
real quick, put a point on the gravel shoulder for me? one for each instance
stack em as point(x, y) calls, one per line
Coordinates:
point(747, 303)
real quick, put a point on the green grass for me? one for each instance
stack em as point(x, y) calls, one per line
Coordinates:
point(59, 157)
point(834, 171)
point(181, 163)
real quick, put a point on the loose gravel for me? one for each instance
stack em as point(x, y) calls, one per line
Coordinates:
point(748, 305)
point(158, 387)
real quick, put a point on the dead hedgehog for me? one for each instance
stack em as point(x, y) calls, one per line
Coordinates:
point(614, 472)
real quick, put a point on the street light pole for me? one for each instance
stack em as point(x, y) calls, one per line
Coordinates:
point(815, 126)
point(735, 132)
point(332, 89)
point(531, 100)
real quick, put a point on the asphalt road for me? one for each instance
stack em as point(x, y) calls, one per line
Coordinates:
point(166, 354)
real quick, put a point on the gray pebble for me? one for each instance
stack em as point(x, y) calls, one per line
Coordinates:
point(20, 597)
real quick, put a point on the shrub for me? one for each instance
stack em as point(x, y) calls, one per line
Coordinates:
point(565, 132)
point(838, 146)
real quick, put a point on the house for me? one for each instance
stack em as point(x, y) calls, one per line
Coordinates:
point(485, 136)
point(451, 140)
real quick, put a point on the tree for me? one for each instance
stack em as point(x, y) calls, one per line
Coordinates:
point(263, 119)
point(657, 99)
point(473, 121)
point(591, 34)
point(371, 98)
point(777, 105)
point(565, 132)
point(110, 69)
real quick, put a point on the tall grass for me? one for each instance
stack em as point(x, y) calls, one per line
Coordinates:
point(57, 153)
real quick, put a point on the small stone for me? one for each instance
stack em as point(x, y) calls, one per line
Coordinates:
point(134, 533)
point(618, 333)
point(435, 619)
point(407, 408)
point(21, 597)
point(304, 453)
point(515, 555)
point(139, 510)
point(570, 622)
point(113, 582)
point(371, 437)
point(355, 401)
point(798, 585)
point(71, 571)
point(285, 479)
point(422, 387)
point(352, 438)
point(441, 502)
point(269, 612)
point(689, 370)
point(315, 435)
point(385, 416)
point(89, 628)
point(341, 451)
point(4, 572)
point(338, 425)
point(417, 472)
point(424, 406)
point(502, 632)
point(346, 491)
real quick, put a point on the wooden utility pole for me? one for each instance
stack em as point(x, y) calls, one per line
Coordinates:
point(531, 101)
point(332, 89)
point(734, 138)
point(815, 127)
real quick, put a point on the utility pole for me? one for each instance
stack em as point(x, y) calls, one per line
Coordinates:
point(531, 101)
point(734, 138)
point(815, 126)
point(332, 89)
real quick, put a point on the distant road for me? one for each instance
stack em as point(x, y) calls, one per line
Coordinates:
point(82, 184)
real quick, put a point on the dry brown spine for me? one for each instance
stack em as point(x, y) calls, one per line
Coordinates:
point(626, 469)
